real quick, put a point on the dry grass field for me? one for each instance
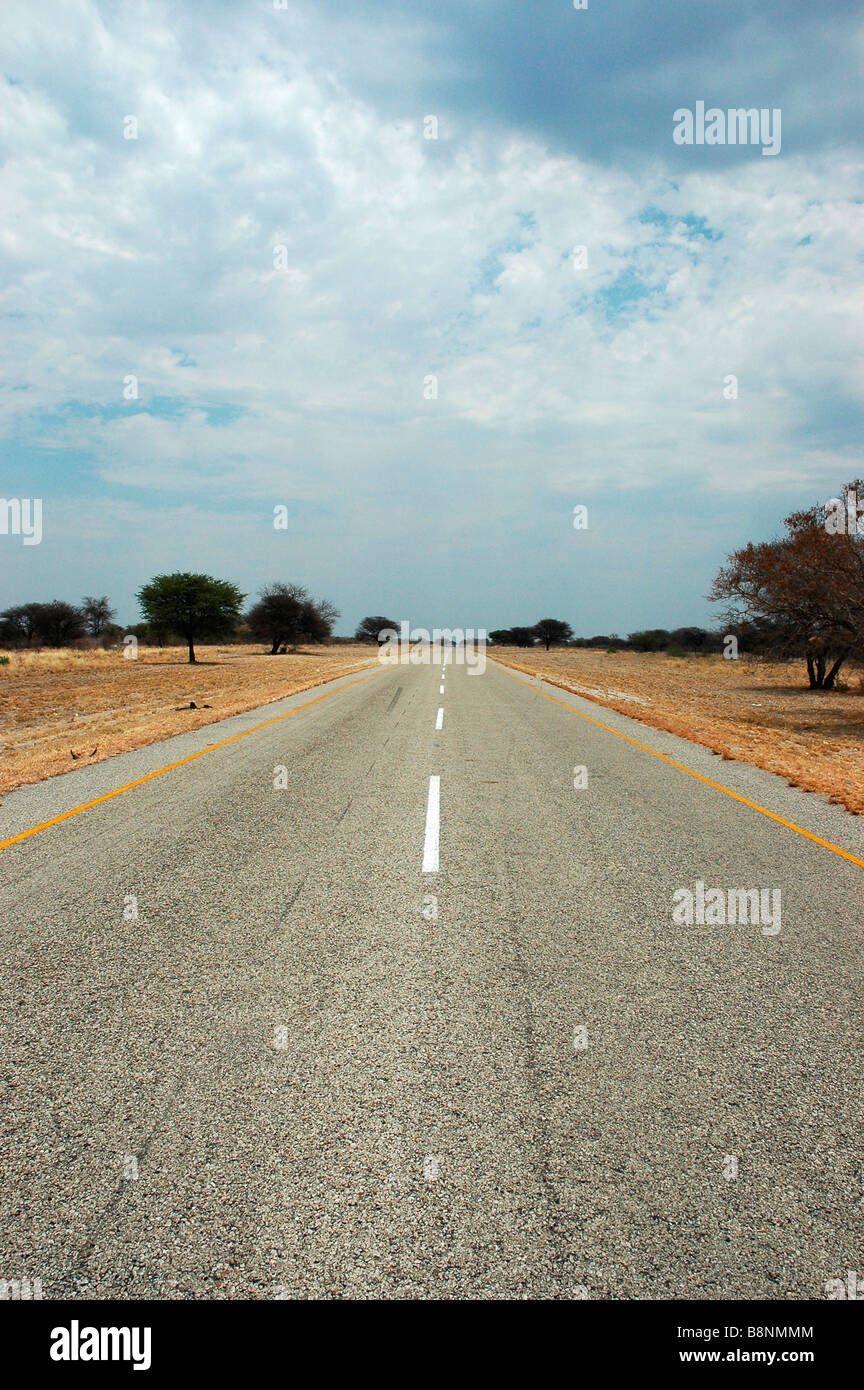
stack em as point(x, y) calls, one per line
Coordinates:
point(97, 703)
point(750, 710)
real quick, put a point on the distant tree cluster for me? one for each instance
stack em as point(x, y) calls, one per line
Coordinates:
point(189, 607)
point(57, 623)
point(800, 595)
point(198, 607)
point(611, 643)
point(552, 632)
point(681, 639)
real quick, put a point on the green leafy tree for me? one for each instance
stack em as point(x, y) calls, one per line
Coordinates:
point(368, 630)
point(550, 630)
point(195, 606)
point(153, 637)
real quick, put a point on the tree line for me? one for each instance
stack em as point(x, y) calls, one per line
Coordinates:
point(552, 632)
point(186, 607)
point(58, 624)
point(799, 596)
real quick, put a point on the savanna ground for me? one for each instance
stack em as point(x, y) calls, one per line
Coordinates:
point(97, 703)
point(747, 710)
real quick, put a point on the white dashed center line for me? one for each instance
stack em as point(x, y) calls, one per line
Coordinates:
point(440, 690)
point(433, 823)
point(439, 722)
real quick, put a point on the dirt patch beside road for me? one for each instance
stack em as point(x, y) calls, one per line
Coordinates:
point(95, 704)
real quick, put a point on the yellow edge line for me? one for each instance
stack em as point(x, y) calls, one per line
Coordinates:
point(139, 782)
point(736, 796)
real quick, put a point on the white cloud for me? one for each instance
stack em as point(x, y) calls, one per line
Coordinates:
point(404, 257)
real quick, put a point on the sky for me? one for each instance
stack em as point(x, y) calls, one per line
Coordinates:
point(427, 276)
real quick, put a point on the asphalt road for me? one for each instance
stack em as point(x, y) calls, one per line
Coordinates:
point(311, 1069)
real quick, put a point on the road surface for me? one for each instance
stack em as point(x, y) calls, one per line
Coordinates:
point(373, 1002)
